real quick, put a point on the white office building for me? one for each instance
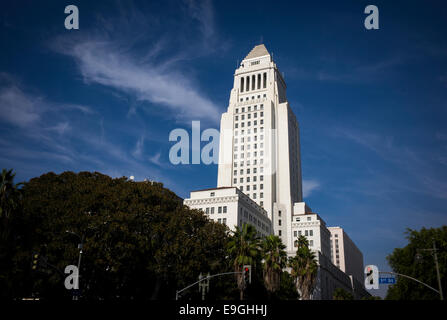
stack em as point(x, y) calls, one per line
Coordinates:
point(230, 206)
point(259, 141)
point(345, 254)
point(259, 174)
point(312, 226)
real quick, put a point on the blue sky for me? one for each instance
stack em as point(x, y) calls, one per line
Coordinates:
point(372, 104)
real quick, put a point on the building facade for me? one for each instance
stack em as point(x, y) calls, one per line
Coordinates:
point(230, 206)
point(345, 254)
point(259, 150)
point(312, 226)
point(259, 173)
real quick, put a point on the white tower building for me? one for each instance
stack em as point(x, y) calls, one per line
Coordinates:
point(259, 176)
point(259, 142)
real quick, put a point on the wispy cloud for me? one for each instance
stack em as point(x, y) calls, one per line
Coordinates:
point(204, 13)
point(155, 159)
point(139, 147)
point(17, 108)
point(159, 83)
point(309, 186)
point(45, 134)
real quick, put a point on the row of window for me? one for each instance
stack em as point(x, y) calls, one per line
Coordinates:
point(222, 220)
point(210, 210)
point(307, 233)
point(247, 171)
point(249, 109)
point(255, 130)
point(261, 194)
point(252, 220)
point(249, 115)
point(255, 123)
point(255, 154)
point(255, 161)
point(242, 140)
point(243, 147)
point(253, 97)
point(299, 219)
point(255, 82)
point(247, 179)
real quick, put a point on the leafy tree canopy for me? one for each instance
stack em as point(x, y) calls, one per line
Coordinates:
point(139, 241)
point(404, 260)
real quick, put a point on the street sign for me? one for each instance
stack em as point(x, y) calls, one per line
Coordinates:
point(76, 292)
point(387, 280)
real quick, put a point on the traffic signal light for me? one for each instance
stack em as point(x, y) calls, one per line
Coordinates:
point(246, 271)
point(35, 262)
point(371, 277)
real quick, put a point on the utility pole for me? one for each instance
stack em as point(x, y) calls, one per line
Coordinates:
point(435, 256)
point(437, 270)
point(204, 285)
point(79, 265)
point(80, 245)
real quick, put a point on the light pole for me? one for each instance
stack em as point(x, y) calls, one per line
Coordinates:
point(435, 255)
point(80, 245)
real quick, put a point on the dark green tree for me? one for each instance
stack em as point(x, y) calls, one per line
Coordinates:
point(404, 261)
point(139, 241)
point(342, 294)
point(244, 249)
point(10, 219)
point(304, 268)
point(287, 289)
point(274, 261)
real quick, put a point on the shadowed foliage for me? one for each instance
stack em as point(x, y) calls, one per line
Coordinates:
point(304, 268)
point(139, 240)
point(274, 261)
point(244, 248)
point(404, 260)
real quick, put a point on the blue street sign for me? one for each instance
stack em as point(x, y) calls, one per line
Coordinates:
point(76, 292)
point(387, 280)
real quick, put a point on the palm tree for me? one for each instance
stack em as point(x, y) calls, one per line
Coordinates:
point(243, 248)
point(9, 196)
point(275, 259)
point(304, 268)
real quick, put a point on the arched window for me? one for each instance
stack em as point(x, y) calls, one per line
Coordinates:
point(242, 84)
point(259, 81)
point(248, 84)
point(253, 79)
point(265, 80)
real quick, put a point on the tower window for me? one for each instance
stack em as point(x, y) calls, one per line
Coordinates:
point(253, 77)
point(248, 84)
point(242, 84)
point(265, 80)
point(259, 82)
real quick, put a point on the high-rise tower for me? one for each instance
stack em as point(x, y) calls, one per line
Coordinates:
point(259, 141)
point(259, 179)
